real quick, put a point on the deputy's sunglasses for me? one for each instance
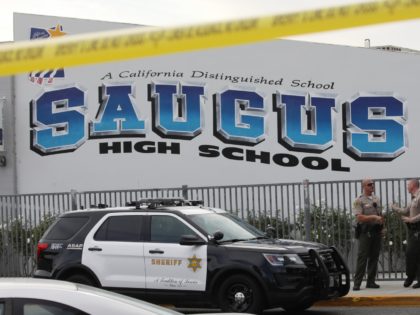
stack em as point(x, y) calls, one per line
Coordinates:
point(370, 184)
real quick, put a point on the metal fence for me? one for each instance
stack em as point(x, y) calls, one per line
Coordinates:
point(315, 211)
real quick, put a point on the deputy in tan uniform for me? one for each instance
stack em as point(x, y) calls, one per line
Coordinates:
point(368, 213)
point(411, 216)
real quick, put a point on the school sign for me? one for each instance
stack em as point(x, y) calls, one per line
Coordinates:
point(277, 111)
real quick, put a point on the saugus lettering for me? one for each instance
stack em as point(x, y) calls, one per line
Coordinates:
point(374, 124)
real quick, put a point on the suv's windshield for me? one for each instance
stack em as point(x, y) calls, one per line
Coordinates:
point(232, 227)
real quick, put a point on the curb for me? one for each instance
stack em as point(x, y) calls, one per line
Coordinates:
point(384, 300)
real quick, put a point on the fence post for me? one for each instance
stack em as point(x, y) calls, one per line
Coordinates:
point(73, 196)
point(307, 214)
point(185, 192)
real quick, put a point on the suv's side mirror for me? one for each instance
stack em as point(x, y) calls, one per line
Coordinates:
point(191, 240)
point(218, 235)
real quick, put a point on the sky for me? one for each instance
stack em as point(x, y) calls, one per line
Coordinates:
point(181, 12)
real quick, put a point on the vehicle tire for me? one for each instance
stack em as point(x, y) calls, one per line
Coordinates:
point(240, 294)
point(81, 278)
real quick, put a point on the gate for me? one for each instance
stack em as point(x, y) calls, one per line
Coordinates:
point(313, 211)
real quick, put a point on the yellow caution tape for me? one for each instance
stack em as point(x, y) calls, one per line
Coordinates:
point(142, 42)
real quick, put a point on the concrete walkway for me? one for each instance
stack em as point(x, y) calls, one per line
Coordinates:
point(391, 293)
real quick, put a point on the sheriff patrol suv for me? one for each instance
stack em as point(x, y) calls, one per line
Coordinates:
point(177, 252)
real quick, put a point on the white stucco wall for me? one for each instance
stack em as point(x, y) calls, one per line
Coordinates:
point(7, 172)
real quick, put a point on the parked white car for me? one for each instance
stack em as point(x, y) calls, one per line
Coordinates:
point(27, 296)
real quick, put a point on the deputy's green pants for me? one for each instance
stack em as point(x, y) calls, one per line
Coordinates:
point(368, 254)
point(413, 255)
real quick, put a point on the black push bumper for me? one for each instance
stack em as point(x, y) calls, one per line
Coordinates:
point(331, 283)
point(326, 277)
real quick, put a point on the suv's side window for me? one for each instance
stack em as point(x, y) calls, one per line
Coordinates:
point(65, 228)
point(123, 228)
point(168, 229)
point(43, 307)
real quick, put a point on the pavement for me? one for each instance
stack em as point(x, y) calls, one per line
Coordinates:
point(391, 293)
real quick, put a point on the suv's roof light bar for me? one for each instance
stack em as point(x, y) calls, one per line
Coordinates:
point(153, 203)
point(195, 202)
point(99, 206)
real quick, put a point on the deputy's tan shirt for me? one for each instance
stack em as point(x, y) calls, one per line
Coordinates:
point(413, 209)
point(366, 205)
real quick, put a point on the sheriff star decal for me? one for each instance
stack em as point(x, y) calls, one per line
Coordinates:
point(56, 31)
point(194, 263)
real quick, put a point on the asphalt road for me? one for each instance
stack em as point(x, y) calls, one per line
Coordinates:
point(343, 310)
point(351, 311)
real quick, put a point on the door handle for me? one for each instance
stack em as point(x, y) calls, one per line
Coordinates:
point(156, 251)
point(95, 249)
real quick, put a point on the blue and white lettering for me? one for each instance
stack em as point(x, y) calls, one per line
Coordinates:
point(176, 110)
point(239, 117)
point(58, 121)
point(375, 127)
point(117, 116)
point(305, 121)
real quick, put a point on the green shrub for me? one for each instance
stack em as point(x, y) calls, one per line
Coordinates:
point(22, 236)
point(282, 228)
point(329, 226)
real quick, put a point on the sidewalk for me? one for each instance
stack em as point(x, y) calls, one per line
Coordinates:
point(391, 293)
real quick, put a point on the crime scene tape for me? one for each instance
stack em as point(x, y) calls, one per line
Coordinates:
point(141, 42)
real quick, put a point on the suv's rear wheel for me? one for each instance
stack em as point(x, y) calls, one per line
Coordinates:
point(81, 278)
point(240, 293)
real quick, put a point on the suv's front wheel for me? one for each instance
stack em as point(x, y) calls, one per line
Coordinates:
point(242, 294)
